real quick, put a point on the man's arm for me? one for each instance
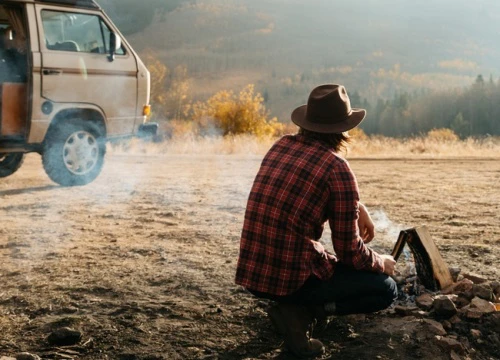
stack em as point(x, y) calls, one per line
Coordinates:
point(343, 215)
point(365, 225)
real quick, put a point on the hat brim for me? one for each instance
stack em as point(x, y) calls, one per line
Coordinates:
point(299, 118)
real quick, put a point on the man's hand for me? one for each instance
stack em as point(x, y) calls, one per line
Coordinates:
point(389, 264)
point(365, 225)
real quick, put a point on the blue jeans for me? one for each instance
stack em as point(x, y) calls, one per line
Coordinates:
point(353, 291)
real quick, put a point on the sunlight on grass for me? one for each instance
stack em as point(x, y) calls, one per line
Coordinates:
point(364, 146)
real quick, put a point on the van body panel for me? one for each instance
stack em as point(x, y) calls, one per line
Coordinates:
point(40, 125)
point(70, 76)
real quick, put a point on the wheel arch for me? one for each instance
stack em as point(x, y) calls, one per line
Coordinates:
point(84, 114)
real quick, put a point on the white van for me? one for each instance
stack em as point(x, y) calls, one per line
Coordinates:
point(69, 81)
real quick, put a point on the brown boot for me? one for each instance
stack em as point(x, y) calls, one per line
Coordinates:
point(294, 322)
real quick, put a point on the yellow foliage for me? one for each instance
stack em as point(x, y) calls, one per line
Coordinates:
point(358, 134)
point(169, 89)
point(445, 135)
point(233, 114)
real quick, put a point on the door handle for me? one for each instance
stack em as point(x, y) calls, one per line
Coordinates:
point(52, 72)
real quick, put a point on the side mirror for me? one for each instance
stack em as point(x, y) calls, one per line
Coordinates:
point(115, 43)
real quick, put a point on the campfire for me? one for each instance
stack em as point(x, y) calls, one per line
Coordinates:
point(461, 312)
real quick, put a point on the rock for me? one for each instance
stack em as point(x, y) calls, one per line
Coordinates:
point(420, 314)
point(461, 301)
point(454, 356)
point(454, 272)
point(494, 321)
point(444, 306)
point(482, 305)
point(447, 325)
point(7, 358)
point(434, 327)
point(476, 279)
point(495, 286)
point(424, 301)
point(405, 310)
point(473, 314)
point(27, 356)
point(463, 286)
point(454, 320)
point(495, 340)
point(483, 291)
point(64, 336)
point(476, 334)
point(448, 344)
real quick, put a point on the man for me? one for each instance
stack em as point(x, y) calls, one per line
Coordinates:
point(302, 183)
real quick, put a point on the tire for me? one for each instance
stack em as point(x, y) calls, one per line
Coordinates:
point(10, 163)
point(73, 152)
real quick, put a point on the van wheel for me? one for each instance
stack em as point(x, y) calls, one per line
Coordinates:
point(73, 152)
point(10, 163)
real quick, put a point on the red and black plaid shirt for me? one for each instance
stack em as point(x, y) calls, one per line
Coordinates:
point(301, 184)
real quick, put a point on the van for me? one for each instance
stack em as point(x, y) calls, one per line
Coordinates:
point(69, 82)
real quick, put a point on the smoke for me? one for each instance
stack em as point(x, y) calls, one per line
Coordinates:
point(387, 231)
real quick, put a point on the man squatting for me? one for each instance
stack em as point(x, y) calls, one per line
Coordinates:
point(301, 184)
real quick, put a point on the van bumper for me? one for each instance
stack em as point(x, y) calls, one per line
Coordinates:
point(147, 130)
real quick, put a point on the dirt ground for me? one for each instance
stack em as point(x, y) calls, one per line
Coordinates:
point(142, 261)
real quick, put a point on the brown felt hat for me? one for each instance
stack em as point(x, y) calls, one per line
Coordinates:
point(328, 110)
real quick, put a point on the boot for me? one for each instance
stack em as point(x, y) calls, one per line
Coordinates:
point(295, 323)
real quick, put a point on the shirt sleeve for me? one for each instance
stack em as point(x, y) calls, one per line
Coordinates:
point(343, 214)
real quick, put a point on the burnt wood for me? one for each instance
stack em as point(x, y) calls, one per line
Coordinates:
point(432, 271)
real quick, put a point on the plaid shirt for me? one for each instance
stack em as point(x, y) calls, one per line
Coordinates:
point(301, 184)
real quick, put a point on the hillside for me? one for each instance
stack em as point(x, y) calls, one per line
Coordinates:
point(286, 47)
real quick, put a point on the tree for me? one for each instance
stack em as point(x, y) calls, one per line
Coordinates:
point(460, 126)
point(233, 114)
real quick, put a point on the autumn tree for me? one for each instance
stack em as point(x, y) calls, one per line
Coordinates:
point(232, 114)
point(169, 89)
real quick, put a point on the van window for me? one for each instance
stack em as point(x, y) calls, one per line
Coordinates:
point(65, 31)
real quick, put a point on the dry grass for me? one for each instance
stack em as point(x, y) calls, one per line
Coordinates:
point(363, 146)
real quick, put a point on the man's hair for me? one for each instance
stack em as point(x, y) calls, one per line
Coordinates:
point(336, 142)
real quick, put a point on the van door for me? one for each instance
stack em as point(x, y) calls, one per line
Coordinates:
point(76, 69)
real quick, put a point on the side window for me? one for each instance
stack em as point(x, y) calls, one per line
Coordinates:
point(65, 31)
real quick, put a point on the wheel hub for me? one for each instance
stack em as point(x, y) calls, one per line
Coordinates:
point(80, 152)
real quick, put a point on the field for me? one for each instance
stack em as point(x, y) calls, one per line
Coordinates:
point(142, 261)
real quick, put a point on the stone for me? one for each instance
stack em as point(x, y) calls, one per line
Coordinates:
point(424, 301)
point(463, 286)
point(454, 272)
point(476, 279)
point(420, 314)
point(448, 344)
point(473, 314)
point(482, 306)
point(495, 286)
point(27, 356)
point(447, 325)
point(434, 327)
point(483, 291)
point(455, 356)
point(7, 358)
point(494, 339)
point(476, 334)
point(454, 320)
point(64, 336)
point(444, 306)
point(461, 301)
point(404, 310)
